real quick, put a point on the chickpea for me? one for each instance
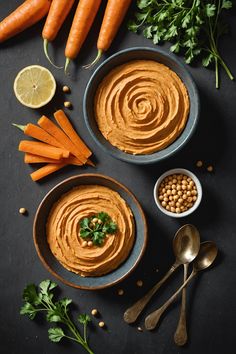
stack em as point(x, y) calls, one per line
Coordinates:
point(101, 324)
point(168, 192)
point(66, 89)
point(210, 168)
point(67, 104)
point(184, 187)
point(161, 197)
point(180, 200)
point(177, 210)
point(199, 163)
point(168, 207)
point(164, 204)
point(174, 191)
point(94, 220)
point(22, 211)
point(84, 244)
point(94, 312)
point(139, 283)
point(99, 221)
point(120, 292)
point(172, 209)
point(90, 243)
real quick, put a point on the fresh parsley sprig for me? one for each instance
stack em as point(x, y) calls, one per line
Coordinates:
point(96, 227)
point(193, 26)
point(41, 300)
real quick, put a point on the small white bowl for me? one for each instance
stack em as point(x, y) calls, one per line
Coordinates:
point(198, 186)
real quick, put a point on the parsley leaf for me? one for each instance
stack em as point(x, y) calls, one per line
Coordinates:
point(192, 27)
point(96, 227)
point(40, 300)
point(55, 334)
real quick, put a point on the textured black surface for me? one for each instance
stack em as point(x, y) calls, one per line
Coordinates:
point(211, 296)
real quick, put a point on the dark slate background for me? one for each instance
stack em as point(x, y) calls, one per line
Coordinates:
point(211, 296)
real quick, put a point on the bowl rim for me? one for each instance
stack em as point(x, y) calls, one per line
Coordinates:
point(198, 186)
point(152, 158)
point(145, 236)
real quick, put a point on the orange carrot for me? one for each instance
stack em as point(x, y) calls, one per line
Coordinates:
point(55, 19)
point(26, 15)
point(67, 127)
point(41, 149)
point(31, 158)
point(58, 134)
point(114, 15)
point(46, 170)
point(38, 133)
point(82, 22)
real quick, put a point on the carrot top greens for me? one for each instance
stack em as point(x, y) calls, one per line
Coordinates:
point(193, 26)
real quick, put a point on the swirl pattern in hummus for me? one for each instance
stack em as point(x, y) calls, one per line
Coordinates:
point(63, 230)
point(141, 106)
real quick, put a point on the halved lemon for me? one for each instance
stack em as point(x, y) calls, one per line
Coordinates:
point(34, 86)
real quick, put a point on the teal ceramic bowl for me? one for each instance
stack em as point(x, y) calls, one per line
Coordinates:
point(123, 57)
point(51, 263)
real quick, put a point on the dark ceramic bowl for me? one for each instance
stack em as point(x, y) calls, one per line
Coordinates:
point(51, 263)
point(120, 58)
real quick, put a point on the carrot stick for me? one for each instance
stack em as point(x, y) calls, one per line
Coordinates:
point(68, 129)
point(55, 19)
point(31, 158)
point(41, 149)
point(46, 170)
point(82, 22)
point(38, 133)
point(114, 15)
point(58, 134)
point(26, 15)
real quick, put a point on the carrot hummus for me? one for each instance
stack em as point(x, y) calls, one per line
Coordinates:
point(141, 106)
point(63, 230)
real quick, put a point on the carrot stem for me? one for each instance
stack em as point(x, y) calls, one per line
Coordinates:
point(66, 65)
point(94, 62)
point(19, 126)
point(45, 48)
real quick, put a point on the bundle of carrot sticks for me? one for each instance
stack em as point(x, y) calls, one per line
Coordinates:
point(56, 145)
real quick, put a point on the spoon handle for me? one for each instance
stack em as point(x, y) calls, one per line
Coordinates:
point(181, 335)
point(153, 318)
point(132, 313)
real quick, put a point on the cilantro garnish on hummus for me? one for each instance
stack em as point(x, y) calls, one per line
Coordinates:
point(96, 227)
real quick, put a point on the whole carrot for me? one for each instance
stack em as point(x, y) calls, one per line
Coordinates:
point(55, 19)
point(114, 15)
point(26, 15)
point(82, 22)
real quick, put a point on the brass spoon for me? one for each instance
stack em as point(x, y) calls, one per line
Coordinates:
point(186, 245)
point(206, 256)
point(181, 335)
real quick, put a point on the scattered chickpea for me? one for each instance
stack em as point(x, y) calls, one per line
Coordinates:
point(94, 312)
point(101, 324)
point(140, 329)
point(139, 283)
point(67, 104)
point(66, 89)
point(199, 163)
point(84, 244)
point(22, 211)
point(177, 193)
point(120, 292)
point(90, 243)
point(210, 168)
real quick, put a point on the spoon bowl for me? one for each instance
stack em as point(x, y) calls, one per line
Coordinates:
point(186, 244)
point(206, 256)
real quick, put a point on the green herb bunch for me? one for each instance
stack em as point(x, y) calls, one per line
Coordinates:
point(193, 26)
point(96, 227)
point(41, 300)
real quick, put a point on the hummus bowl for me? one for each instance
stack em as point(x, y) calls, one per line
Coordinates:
point(141, 105)
point(53, 210)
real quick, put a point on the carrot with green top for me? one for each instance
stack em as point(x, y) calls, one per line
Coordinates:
point(82, 22)
point(60, 136)
point(68, 129)
point(113, 17)
point(40, 134)
point(26, 15)
point(46, 170)
point(58, 12)
point(41, 149)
